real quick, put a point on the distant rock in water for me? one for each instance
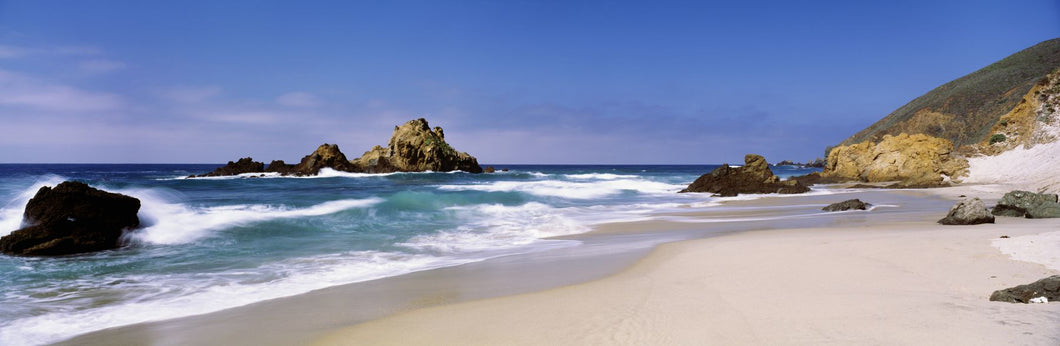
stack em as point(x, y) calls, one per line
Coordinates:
point(72, 218)
point(850, 204)
point(415, 147)
point(244, 165)
point(1028, 204)
point(968, 212)
point(915, 161)
point(753, 177)
point(1048, 288)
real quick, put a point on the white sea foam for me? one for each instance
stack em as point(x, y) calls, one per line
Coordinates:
point(175, 223)
point(11, 212)
point(191, 294)
point(569, 189)
point(496, 227)
point(599, 176)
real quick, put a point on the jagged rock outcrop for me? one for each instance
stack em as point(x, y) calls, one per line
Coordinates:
point(1049, 288)
point(72, 218)
point(753, 177)
point(1028, 204)
point(415, 147)
point(968, 212)
point(244, 165)
point(913, 160)
point(850, 204)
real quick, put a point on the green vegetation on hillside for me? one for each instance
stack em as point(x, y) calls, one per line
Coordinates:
point(964, 109)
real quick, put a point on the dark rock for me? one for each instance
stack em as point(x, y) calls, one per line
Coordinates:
point(72, 218)
point(1048, 287)
point(326, 156)
point(753, 177)
point(849, 204)
point(968, 212)
point(1028, 204)
point(278, 166)
point(489, 169)
point(815, 178)
point(244, 165)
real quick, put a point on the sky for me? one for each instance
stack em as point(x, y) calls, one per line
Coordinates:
point(512, 81)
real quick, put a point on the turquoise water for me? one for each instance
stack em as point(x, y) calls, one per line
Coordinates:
point(213, 243)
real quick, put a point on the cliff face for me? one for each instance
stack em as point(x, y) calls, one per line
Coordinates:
point(965, 110)
point(913, 160)
point(415, 147)
point(1035, 120)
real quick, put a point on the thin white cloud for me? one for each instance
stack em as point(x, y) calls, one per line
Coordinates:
point(189, 95)
point(7, 52)
point(298, 99)
point(99, 66)
point(18, 90)
point(11, 51)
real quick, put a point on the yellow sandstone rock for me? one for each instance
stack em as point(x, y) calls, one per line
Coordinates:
point(912, 160)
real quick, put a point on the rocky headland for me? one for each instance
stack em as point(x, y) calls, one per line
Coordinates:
point(72, 218)
point(753, 177)
point(413, 147)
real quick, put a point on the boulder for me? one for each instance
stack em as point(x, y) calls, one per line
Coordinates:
point(753, 177)
point(815, 178)
point(1028, 204)
point(489, 169)
point(244, 165)
point(1049, 288)
point(415, 147)
point(326, 156)
point(849, 204)
point(968, 212)
point(72, 218)
point(278, 166)
point(913, 160)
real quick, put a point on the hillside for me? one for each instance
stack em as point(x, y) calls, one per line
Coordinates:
point(965, 110)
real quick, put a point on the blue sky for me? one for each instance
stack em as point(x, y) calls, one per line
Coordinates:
point(510, 81)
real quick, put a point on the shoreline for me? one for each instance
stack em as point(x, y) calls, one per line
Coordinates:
point(329, 313)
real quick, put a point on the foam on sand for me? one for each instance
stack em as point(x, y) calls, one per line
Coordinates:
point(1042, 248)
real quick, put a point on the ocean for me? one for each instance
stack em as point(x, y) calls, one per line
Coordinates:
point(209, 244)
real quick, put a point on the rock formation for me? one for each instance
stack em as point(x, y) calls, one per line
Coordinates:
point(753, 177)
point(72, 218)
point(850, 204)
point(1028, 204)
point(913, 160)
point(968, 212)
point(244, 165)
point(415, 147)
point(1049, 288)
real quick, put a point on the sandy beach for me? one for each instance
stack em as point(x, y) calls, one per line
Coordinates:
point(900, 282)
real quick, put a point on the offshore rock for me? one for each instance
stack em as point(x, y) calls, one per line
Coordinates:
point(850, 204)
point(1028, 204)
point(753, 177)
point(415, 147)
point(72, 218)
point(326, 156)
point(968, 212)
point(244, 165)
point(913, 160)
point(1048, 287)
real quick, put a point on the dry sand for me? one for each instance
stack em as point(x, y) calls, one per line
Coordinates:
point(897, 282)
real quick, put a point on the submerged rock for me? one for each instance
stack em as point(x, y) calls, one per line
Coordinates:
point(415, 147)
point(968, 212)
point(753, 177)
point(849, 204)
point(1028, 204)
point(72, 218)
point(1048, 288)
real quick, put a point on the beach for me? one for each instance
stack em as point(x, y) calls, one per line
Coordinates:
point(778, 272)
point(898, 283)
